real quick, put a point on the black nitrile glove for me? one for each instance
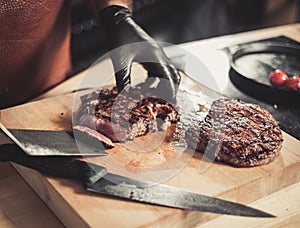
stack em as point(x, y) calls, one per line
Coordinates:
point(122, 30)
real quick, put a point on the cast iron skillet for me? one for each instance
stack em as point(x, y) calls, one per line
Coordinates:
point(251, 65)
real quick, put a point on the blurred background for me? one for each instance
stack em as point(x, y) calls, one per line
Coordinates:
point(178, 21)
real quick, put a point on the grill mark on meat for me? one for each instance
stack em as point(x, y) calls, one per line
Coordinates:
point(248, 135)
point(100, 113)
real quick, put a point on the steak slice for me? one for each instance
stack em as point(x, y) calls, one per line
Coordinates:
point(92, 137)
point(237, 133)
point(121, 117)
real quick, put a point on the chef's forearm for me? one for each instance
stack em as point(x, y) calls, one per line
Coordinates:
point(97, 5)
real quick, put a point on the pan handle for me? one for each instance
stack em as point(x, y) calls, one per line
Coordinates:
point(64, 167)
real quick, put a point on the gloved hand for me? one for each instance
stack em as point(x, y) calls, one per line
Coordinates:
point(122, 30)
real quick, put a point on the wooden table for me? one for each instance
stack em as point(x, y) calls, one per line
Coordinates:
point(20, 206)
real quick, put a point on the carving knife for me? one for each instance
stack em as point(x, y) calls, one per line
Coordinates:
point(52, 143)
point(98, 180)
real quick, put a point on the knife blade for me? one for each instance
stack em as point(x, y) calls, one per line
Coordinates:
point(98, 180)
point(51, 143)
point(168, 196)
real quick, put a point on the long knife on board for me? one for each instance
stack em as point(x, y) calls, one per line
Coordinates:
point(52, 143)
point(98, 180)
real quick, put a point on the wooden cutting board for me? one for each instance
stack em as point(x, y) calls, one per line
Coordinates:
point(77, 208)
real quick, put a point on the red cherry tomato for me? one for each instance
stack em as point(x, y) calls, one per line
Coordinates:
point(293, 83)
point(278, 78)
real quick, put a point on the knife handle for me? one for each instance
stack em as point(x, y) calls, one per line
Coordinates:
point(57, 166)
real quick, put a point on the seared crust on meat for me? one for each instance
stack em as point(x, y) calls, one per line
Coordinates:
point(121, 117)
point(237, 133)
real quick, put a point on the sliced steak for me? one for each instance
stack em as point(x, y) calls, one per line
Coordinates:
point(121, 117)
point(92, 137)
point(237, 133)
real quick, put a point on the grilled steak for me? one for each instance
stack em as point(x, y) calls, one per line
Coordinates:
point(121, 117)
point(237, 133)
